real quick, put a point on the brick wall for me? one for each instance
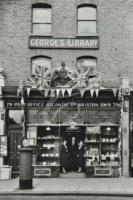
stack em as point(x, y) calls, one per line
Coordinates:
point(115, 31)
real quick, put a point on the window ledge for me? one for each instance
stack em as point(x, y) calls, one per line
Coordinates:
point(41, 35)
point(88, 35)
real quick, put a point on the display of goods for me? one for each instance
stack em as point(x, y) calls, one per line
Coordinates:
point(49, 137)
point(93, 130)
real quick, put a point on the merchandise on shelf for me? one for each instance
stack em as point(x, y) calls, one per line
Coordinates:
point(102, 146)
point(48, 148)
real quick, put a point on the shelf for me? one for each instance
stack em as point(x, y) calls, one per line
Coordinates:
point(93, 133)
point(109, 150)
point(109, 136)
point(102, 165)
point(109, 142)
point(46, 165)
point(49, 156)
point(89, 125)
point(91, 156)
point(48, 139)
point(92, 142)
point(46, 148)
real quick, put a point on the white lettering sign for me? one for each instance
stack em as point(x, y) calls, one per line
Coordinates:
point(41, 42)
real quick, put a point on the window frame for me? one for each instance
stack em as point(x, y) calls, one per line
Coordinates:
point(86, 20)
point(41, 6)
point(37, 58)
point(87, 57)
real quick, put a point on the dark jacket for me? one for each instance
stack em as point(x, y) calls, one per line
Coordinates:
point(73, 157)
point(64, 156)
point(81, 152)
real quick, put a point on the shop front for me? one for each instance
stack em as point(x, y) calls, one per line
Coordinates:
point(48, 121)
point(69, 105)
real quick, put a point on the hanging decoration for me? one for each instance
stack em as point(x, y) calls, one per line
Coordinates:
point(57, 92)
point(80, 78)
point(23, 122)
point(42, 76)
point(20, 89)
point(31, 82)
point(69, 90)
point(61, 80)
point(92, 92)
point(97, 91)
point(46, 91)
point(20, 93)
point(82, 91)
point(22, 101)
point(61, 77)
point(28, 91)
point(63, 91)
point(52, 93)
point(114, 91)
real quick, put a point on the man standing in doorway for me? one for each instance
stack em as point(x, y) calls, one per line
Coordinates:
point(73, 155)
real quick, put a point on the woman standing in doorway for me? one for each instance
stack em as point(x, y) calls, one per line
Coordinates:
point(81, 152)
point(64, 156)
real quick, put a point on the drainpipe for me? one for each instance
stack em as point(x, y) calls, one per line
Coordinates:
point(125, 126)
point(2, 110)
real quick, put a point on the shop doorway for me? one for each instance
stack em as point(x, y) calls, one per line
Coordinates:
point(15, 142)
point(76, 133)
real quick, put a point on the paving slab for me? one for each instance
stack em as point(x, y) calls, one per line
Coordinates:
point(71, 186)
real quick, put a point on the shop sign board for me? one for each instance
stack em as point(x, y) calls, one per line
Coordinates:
point(66, 116)
point(63, 43)
point(102, 171)
point(41, 104)
point(41, 171)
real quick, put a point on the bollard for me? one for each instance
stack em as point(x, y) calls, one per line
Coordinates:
point(25, 180)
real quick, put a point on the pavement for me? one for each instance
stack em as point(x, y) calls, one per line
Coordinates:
point(71, 186)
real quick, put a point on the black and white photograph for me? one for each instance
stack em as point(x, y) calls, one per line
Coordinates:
point(66, 99)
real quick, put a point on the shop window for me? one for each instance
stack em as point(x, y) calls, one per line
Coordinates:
point(86, 19)
point(41, 19)
point(87, 64)
point(41, 64)
point(15, 117)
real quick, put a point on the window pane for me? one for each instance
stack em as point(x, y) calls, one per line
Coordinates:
point(87, 13)
point(42, 29)
point(15, 117)
point(87, 63)
point(44, 62)
point(41, 15)
point(86, 27)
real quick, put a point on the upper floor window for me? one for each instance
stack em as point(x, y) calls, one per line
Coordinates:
point(87, 64)
point(41, 19)
point(41, 69)
point(43, 62)
point(86, 19)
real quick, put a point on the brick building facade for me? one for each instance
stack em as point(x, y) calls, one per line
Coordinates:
point(113, 24)
point(114, 28)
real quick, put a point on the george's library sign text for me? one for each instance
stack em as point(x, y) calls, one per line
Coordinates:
point(43, 42)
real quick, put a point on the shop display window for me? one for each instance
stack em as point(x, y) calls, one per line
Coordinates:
point(48, 146)
point(103, 146)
